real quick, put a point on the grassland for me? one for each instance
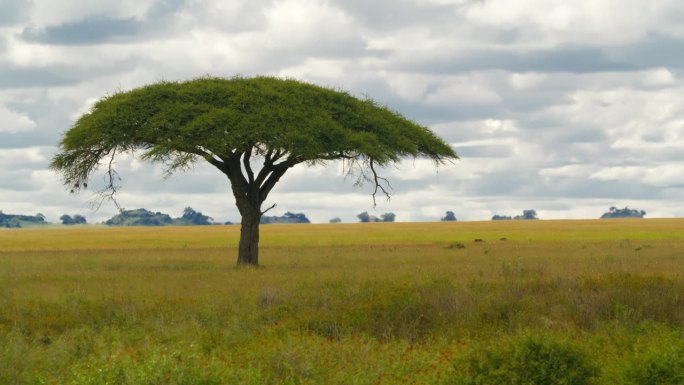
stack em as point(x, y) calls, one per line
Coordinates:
point(421, 303)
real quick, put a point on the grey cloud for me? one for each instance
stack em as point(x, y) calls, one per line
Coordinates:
point(19, 77)
point(85, 32)
point(102, 29)
point(28, 139)
point(654, 51)
point(485, 151)
point(561, 59)
point(379, 15)
point(567, 135)
point(654, 137)
point(250, 16)
point(13, 11)
point(16, 77)
point(161, 8)
point(18, 181)
point(526, 184)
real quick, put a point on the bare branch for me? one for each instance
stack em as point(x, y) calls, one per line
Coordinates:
point(268, 209)
point(378, 186)
point(111, 187)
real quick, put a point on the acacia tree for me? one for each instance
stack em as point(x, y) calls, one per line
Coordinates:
point(235, 125)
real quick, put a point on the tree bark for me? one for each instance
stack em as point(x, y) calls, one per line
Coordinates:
point(248, 248)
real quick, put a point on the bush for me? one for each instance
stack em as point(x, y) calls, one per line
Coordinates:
point(159, 368)
point(529, 361)
point(662, 365)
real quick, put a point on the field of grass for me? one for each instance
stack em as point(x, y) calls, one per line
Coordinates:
point(590, 302)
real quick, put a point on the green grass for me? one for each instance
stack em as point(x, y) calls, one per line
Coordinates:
point(344, 304)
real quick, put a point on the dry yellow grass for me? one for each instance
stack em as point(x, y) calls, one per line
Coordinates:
point(416, 292)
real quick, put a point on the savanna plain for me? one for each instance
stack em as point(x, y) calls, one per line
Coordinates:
point(505, 302)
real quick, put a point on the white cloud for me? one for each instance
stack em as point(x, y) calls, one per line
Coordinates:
point(659, 77)
point(583, 22)
point(569, 171)
point(579, 102)
point(13, 122)
point(463, 90)
point(663, 175)
point(527, 81)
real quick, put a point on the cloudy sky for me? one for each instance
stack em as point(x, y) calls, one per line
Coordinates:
point(563, 107)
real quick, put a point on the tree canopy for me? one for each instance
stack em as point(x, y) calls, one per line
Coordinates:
point(527, 215)
point(615, 212)
point(231, 123)
point(449, 216)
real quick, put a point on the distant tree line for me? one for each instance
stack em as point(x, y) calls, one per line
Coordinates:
point(142, 217)
point(364, 217)
point(288, 217)
point(615, 212)
point(18, 221)
point(526, 215)
point(190, 217)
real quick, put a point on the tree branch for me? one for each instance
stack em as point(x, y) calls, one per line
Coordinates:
point(378, 186)
point(248, 168)
point(268, 209)
point(110, 189)
point(275, 174)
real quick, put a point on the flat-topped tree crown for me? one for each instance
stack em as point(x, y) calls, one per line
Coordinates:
point(231, 123)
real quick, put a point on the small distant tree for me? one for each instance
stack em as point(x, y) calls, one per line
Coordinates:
point(192, 217)
point(336, 220)
point(449, 217)
point(498, 217)
point(527, 215)
point(364, 217)
point(615, 212)
point(388, 217)
point(75, 220)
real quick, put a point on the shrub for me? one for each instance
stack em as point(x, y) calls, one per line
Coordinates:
point(529, 361)
point(662, 365)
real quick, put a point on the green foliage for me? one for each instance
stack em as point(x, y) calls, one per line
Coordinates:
point(139, 217)
point(183, 367)
point(530, 360)
point(11, 220)
point(191, 217)
point(288, 217)
point(75, 220)
point(526, 215)
point(179, 122)
point(615, 212)
point(364, 217)
point(142, 217)
point(342, 304)
point(659, 365)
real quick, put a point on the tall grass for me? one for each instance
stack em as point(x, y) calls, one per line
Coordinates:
point(337, 304)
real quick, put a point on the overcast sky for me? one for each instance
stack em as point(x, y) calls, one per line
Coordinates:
point(566, 107)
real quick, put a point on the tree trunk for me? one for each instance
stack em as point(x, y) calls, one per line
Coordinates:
point(248, 249)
